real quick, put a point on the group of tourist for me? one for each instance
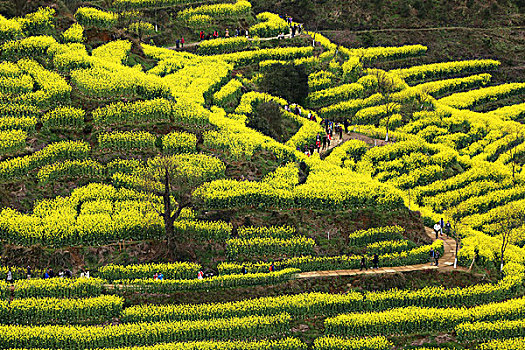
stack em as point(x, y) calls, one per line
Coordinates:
point(322, 142)
point(434, 256)
point(441, 227)
point(179, 42)
point(215, 34)
point(48, 273)
point(271, 268)
point(158, 276)
point(364, 265)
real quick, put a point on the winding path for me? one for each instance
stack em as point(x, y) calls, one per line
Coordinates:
point(196, 43)
point(336, 141)
point(446, 262)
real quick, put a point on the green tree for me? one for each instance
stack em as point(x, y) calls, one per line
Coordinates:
point(286, 80)
point(386, 86)
point(268, 118)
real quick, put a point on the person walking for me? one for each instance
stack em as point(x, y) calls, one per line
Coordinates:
point(375, 261)
point(243, 270)
point(9, 277)
point(436, 257)
point(432, 256)
point(363, 263)
point(346, 124)
point(340, 129)
point(447, 228)
point(325, 139)
point(201, 35)
point(177, 44)
point(161, 277)
point(293, 31)
point(182, 41)
point(437, 228)
point(28, 272)
point(441, 226)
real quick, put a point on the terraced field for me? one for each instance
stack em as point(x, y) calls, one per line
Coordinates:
point(123, 141)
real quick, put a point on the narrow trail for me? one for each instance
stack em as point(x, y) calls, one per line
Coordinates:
point(288, 36)
point(336, 141)
point(446, 262)
point(196, 43)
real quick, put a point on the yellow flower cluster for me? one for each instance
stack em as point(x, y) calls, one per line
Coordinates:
point(270, 25)
point(41, 311)
point(333, 95)
point(473, 98)
point(82, 337)
point(167, 286)
point(75, 34)
point(228, 95)
point(256, 247)
point(12, 141)
point(71, 169)
point(217, 46)
point(54, 152)
point(445, 69)
point(127, 140)
point(92, 17)
point(446, 86)
point(179, 142)
point(336, 343)
point(416, 320)
point(64, 117)
point(177, 270)
point(240, 9)
point(65, 288)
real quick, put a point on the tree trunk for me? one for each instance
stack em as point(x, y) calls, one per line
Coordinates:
point(168, 219)
point(503, 246)
point(170, 235)
point(387, 122)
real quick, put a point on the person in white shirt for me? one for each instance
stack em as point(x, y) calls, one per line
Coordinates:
point(437, 229)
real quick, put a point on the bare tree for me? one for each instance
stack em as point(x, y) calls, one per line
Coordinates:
point(173, 179)
point(506, 227)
